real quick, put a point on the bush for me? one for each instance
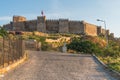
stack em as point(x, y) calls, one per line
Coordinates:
point(83, 46)
point(44, 46)
point(114, 65)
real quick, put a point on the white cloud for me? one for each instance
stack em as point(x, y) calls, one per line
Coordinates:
point(5, 18)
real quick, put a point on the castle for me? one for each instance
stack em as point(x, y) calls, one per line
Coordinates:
point(20, 23)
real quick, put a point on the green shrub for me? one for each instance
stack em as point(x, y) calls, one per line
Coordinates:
point(45, 46)
point(115, 66)
point(83, 46)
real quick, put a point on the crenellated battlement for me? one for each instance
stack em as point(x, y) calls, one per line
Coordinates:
point(20, 23)
point(63, 19)
point(52, 20)
point(74, 21)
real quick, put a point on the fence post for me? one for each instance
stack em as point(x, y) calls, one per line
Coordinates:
point(16, 49)
point(21, 42)
point(19, 47)
point(3, 53)
point(12, 49)
point(13, 45)
point(23, 47)
point(8, 50)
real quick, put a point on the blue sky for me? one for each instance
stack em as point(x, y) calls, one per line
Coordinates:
point(87, 10)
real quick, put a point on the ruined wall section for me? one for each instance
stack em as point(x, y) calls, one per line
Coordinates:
point(63, 26)
point(31, 25)
point(52, 26)
point(41, 24)
point(90, 29)
point(76, 27)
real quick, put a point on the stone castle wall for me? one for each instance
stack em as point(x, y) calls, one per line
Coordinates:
point(99, 30)
point(90, 29)
point(54, 26)
point(18, 26)
point(63, 26)
point(8, 26)
point(31, 25)
point(76, 27)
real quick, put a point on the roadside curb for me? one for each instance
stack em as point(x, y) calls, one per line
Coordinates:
point(13, 65)
point(115, 73)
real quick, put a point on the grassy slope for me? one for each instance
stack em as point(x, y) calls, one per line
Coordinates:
point(112, 62)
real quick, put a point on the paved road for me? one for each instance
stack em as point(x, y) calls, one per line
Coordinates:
point(58, 66)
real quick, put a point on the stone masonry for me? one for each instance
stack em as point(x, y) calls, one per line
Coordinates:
point(20, 23)
point(41, 25)
point(63, 26)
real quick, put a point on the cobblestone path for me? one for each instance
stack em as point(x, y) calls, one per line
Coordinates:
point(58, 66)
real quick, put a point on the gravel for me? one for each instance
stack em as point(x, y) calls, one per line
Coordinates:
point(58, 66)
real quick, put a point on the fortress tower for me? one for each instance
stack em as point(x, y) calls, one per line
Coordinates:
point(18, 23)
point(18, 19)
point(99, 30)
point(41, 24)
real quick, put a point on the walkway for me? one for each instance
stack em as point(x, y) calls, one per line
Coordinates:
point(58, 66)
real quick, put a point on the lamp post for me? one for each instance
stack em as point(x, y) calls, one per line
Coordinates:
point(105, 31)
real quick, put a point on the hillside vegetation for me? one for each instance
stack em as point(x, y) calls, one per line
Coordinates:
point(49, 42)
point(110, 54)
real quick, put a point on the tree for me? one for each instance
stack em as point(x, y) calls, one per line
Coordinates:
point(3, 32)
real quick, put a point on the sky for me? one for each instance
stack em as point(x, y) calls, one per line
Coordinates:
point(87, 10)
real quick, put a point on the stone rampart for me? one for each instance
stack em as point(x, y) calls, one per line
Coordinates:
point(76, 27)
point(63, 26)
point(31, 25)
point(99, 30)
point(103, 31)
point(90, 29)
point(52, 26)
point(8, 26)
point(112, 35)
point(18, 26)
point(107, 32)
